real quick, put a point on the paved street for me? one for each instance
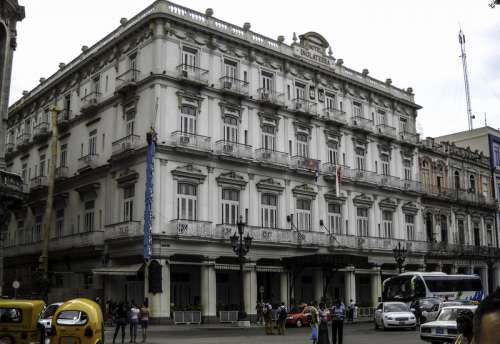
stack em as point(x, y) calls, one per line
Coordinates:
point(356, 334)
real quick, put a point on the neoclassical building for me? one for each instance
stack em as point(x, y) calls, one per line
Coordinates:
point(321, 163)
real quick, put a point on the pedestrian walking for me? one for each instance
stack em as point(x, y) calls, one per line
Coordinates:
point(323, 337)
point(268, 317)
point(144, 314)
point(350, 313)
point(120, 318)
point(314, 321)
point(258, 310)
point(338, 313)
point(134, 321)
point(282, 315)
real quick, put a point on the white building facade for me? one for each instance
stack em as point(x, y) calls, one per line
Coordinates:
point(320, 161)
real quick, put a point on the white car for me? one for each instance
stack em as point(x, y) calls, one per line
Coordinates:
point(431, 315)
point(48, 312)
point(394, 315)
point(444, 329)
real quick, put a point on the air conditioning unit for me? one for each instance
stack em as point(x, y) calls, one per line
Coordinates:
point(228, 148)
point(228, 85)
point(184, 140)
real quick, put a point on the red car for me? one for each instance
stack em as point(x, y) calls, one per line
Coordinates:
point(300, 316)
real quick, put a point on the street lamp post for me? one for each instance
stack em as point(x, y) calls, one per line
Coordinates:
point(400, 256)
point(241, 245)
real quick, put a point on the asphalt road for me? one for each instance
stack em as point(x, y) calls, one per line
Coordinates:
point(355, 334)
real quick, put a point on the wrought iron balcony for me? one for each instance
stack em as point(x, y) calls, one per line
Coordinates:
point(125, 144)
point(233, 149)
point(88, 161)
point(437, 191)
point(408, 137)
point(191, 228)
point(193, 75)
point(39, 182)
point(191, 141)
point(411, 185)
point(330, 170)
point(11, 184)
point(391, 181)
point(90, 103)
point(386, 130)
point(41, 131)
point(127, 81)
point(334, 115)
point(62, 172)
point(469, 196)
point(304, 107)
point(63, 119)
point(267, 156)
point(362, 123)
point(23, 141)
point(233, 86)
point(361, 176)
point(305, 164)
point(123, 230)
point(269, 97)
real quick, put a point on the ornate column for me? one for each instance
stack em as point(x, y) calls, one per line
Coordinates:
point(285, 288)
point(485, 280)
point(376, 284)
point(159, 298)
point(208, 291)
point(250, 289)
point(350, 284)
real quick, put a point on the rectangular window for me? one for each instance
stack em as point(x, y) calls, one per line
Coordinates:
point(381, 117)
point(59, 223)
point(23, 172)
point(269, 211)
point(67, 102)
point(403, 125)
point(334, 218)
point(267, 81)
point(300, 91)
point(302, 145)
point(128, 203)
point(496, 154)
point(88, 220)
point(230, 68)
point(489, 234)
point(387, 223)
point(269, 137)
point(230, 206)
point(303, 214)
point(41, 167)
point(407, 169)
point(384, 158)
point(63, 155)
point(96, 84)
point(93, 142)
point(20, 232)
point(357, 109)
point(189, 57)
point(38, 228)
point(333, 152)
point(360, 158)
point(410, 226)
point(187, 201)
point(362, 221)
point(230, 129)
point(330, 101)
point(188, 119)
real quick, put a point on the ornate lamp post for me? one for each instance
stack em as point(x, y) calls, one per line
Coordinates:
point(400, 256)
point(241, 245)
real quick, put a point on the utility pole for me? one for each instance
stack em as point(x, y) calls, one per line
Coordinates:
point(44, 258)
point(461, 40)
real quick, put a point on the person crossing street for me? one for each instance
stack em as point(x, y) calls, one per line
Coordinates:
point(282, 315)
point(338, 314)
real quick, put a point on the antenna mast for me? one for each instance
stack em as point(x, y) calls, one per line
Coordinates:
point(461, 40)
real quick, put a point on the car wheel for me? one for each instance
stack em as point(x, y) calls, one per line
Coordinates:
point(299, 323)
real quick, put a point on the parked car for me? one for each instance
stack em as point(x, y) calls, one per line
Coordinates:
point(46, 317)
point(394, 315)
point(431, 315)
point(300, 316)
point(444, 329)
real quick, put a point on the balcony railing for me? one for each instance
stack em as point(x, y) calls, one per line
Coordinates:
point(303, 163)
point(11, 181)
point(63, 118)
point(235, 86)
point(192, 141)
point(193, 74)
point(123, 230)
point(190, 228)
point(38, 182)
point(411, 185)
point(90, 102)
point(362, 176)
point(362, 123)
point(23, 140)
point(233, 149)
point(391, 181)
point(269, 97)
point(271, 157)
point(62, 172)
point(304, 106)
point(408, 137)
point(127, 143)
point(437, 191)
point(128, 80)
point(334, 115)
point(41, 130)
point(88, 161)
point(386, 130)
point(473, 197)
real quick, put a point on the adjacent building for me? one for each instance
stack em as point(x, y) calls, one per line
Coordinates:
point(319, 161)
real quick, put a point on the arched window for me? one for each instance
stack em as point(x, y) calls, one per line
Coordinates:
point(269, 210)
point(472, 184)
point(230, 206)
point(186, 201)
point(457, 180)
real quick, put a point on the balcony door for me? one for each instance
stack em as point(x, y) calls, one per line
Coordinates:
point(189, 60)
point(267, 81)
point(188, 119)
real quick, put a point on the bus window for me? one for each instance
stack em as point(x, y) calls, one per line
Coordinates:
point(419, 288)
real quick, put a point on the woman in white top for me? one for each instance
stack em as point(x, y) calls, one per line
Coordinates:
point(134, 321)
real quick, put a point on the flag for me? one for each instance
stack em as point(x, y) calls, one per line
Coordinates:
point(148, 197)
point(337, 181)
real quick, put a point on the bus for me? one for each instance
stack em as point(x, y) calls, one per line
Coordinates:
point(411, 286)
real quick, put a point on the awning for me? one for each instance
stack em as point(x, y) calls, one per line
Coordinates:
point(124, 270)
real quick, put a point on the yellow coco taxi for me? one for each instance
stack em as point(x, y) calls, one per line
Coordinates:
point(19, 321)
point(78, 321)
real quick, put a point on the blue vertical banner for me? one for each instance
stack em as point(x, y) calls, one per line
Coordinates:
point(148, 211)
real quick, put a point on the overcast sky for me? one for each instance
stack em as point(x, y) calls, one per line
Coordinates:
point(413, 42)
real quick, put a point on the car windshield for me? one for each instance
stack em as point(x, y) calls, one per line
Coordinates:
point(448, 314)
point(10, 315)
point(49, 311)
point(396, 307)
point(448, 304)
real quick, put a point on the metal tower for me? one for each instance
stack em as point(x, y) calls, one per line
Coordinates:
point(461, 40)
